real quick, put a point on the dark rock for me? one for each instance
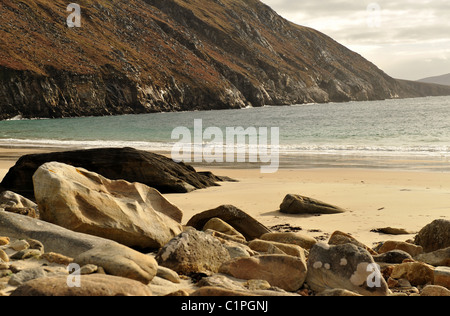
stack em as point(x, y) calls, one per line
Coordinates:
point(128, 164)
point(297, 204)
point(434, 236)
point(393, 256)
point(241, 221)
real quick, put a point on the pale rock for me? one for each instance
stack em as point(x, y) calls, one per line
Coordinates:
point(130, 213)
point(10, 199)
point(4, 256)
point(26, 275)
point(417, 273)
point(168, 274)
point(19, 245)
point(4, 241)
point(442, 276)
point(288, 249)
point(221, 226)
point(340, 238)
point(435, 290)
point(439, 257)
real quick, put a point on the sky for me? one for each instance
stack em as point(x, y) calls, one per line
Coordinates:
point(407, 39)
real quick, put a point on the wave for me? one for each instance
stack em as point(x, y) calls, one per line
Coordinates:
point(440, 151)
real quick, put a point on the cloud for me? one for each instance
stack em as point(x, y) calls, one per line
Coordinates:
point(377, 29)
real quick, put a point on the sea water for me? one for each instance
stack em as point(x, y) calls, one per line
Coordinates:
point(400, 133)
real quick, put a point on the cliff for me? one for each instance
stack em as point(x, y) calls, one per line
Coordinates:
point(142, 56)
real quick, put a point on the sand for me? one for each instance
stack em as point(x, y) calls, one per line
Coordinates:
point(373, 198)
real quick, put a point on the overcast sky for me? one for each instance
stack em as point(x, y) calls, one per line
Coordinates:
point(408, 39)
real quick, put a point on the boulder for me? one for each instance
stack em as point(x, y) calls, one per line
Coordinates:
point(340, 238)
point(434, 236)
point(393, 256)
point(11, 199)
point(128, 164)
point(132, 214)
point(288, 249)
point(435, 290)
point(90, 285)
point(417, 273)
point(220, 226)
point(442, 277)
point(304, 241)
point(193, 251)
point(283, 271)
point(121, 260)
point(297, 204)
point(347, 267)
point(238, 219)
point(439, 257)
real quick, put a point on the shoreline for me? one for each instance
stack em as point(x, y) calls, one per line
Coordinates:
point(373, 197)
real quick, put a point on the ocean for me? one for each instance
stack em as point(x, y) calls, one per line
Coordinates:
point(401, 134)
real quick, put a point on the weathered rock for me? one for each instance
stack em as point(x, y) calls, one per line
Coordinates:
point(129, 164)
point(340, 238)
point(57, 258)
point(4, 256)
point(219, 225)
point(297, 204)
point(393, 256)
point(439, 257)
point(90, 285)
point(346, 267)
point(26, 275)
point(435, 290)
point(120, 260)
point(389, 245)
point(130, 213)
point(11, 199)
point(304, 241)
point(193, 251)
point(434, 236)
point(4, 241)
point(442, 276)
point(417, 273)
point(391, 231)
point(238, 219)
point(168, 274)
point(283, 271)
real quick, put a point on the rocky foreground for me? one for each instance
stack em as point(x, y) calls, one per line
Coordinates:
point(90, 235)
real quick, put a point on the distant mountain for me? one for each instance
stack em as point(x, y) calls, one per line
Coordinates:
point(443, 80)
point(141, 56)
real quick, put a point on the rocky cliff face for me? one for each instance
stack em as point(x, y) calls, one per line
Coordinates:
point(142, 56)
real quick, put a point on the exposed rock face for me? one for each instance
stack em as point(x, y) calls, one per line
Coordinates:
point(142, 56)
point(130, 213)
point(128, 164)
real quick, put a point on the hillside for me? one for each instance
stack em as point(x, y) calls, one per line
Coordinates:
point(442, 80)
point(142, 56)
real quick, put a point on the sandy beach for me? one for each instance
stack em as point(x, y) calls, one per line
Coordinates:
point(373, 198)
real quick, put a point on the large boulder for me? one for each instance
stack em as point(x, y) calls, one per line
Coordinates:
point(283, 271)
point(193, 251)
point(122, 261)
point(90, 285)
point(298, 204)
point(434, 236)
point(345, 266)
point(238, 219)
point(132, 214)
point(129, 164)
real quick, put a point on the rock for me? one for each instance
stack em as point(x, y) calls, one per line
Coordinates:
point(27, 211)
point(393, 256)
point(288, 249)
point(91, 285)
point(439, 257)
point(120, 260)
point(220, 226)
point(391, 231)
point(129, 164)
point(283, 271)
point(26, 254)
point(88, 269)
point(340, 238)
point(3, 256)
point(344, 267)
point(193, 252)
point(4, 241)
point(297, 204)
point(435, 290)
point(210, 291)
point(26, 275)
point(304, 241)
point(434, 236)
point(389, 245)
point(442, 276)
point(13, 200)
point(238, 219)
point(57, 258)
point(417, 273)
point(129, 213)
point(19, 245)
point(168, 274)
